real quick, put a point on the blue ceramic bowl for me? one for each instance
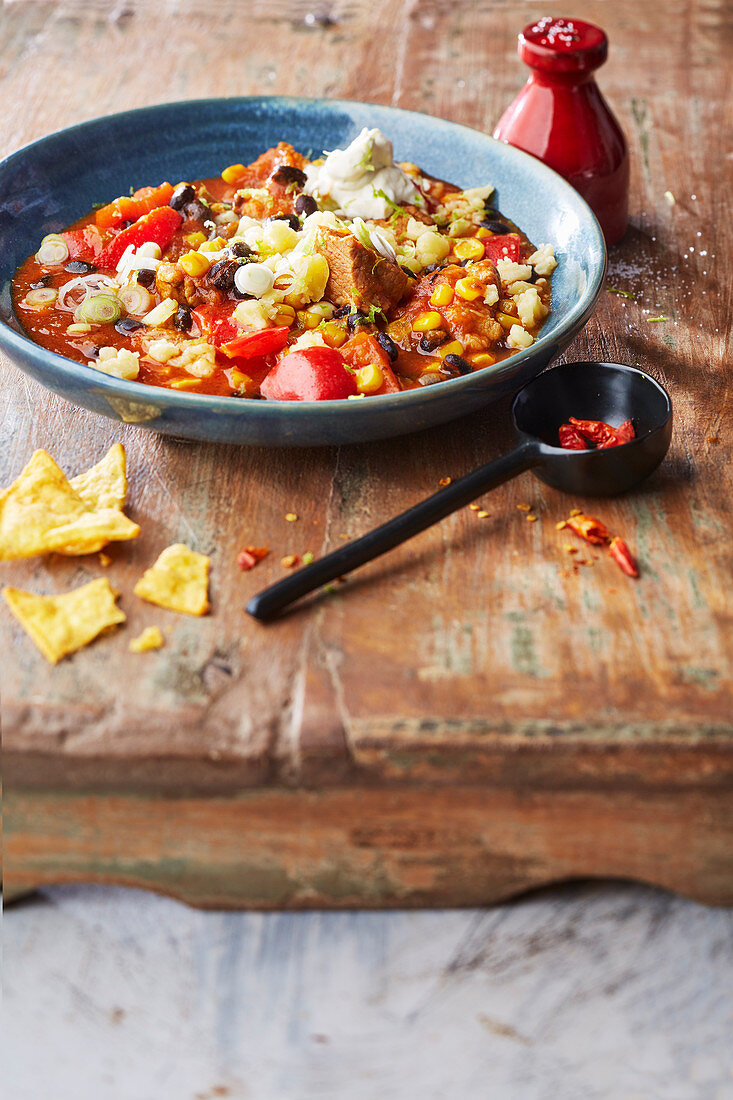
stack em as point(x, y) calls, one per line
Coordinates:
point(56, 180)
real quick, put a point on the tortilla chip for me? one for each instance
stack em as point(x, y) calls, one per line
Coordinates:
point(62, 624)
point(178, 580)
point(40, 512)
point(104, 485)
point(151, 638)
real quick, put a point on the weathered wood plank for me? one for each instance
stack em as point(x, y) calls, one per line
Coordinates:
point(466, 656)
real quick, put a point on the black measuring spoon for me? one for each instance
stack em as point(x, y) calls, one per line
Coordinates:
point(587, 391)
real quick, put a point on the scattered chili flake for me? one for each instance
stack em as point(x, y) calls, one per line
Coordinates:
point(713, 439)
point(289, 561)
point(621, 293)
point(531, 519)
point(291, 517)
point(307, 557)
point(524, 507)
point(474, 507)
point(561, 525)
point(621, 554)
point(482, 515)
point(105, 560)
point(445, 481)
point(590, 529)
point(575, 512)
point(250, 555)
point(570, 549)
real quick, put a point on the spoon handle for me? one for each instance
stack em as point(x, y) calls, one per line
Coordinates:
point(271, 601)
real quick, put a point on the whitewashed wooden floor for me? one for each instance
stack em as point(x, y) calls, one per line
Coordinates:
point(585, 992)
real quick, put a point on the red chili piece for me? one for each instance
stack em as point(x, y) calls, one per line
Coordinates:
point(621, 554)
point(602, 434)
point(571, 439)
point(592, 530)
point(249, 557)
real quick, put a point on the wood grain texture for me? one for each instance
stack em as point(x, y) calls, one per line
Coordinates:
point(466, 656)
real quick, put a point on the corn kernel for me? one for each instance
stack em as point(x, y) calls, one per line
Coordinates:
point(469, 289)
point(506, 320)
point(442, 295)
point(186, 383)
point(369, 378)
point(469, 249)
point(194, 264)
point(239, 380)
point(213, 246)
point(334, 334)
point(482, 233)
point(284, 316)
point(453, 347)
point(482, 359)
point(195, 239)
point(308, 320)
point(426, 322)
point(233, 173)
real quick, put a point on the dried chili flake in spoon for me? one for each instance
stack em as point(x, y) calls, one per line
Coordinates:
point(584, 435)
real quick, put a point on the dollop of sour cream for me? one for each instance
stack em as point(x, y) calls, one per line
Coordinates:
point(357, 178)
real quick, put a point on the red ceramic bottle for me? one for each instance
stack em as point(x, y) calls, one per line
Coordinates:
point(561, 117)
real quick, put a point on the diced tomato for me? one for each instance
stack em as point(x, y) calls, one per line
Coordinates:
point(313, 374)
point(505, 246)
point(263, 341)
point(363, 349)
point(158, 226)
point(216, 323)
point(128, 208)
point(83, 244)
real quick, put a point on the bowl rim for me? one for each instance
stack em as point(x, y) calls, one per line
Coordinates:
point(137, 392)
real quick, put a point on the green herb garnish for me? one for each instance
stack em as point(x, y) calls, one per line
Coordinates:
point(660, 318)
point(621, 293)
point(398, 211)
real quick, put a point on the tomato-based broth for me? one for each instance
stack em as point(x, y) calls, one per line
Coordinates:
point(290, 279)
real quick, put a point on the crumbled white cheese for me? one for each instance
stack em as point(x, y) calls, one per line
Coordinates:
point(509, 272)
point(519, 337)
point(543, 260)
point(530, 308)
point(198, 359)
point(118, 362)
point(351, 179)
point(491, 297)
point(162, 350)
point(431, 248)
point(255, 313)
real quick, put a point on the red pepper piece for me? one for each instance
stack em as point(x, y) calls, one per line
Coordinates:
point(158, 226)
point(263, 341)
point(590, 529)
point(313, 374)
point(128, 208)
point(216, 323)
point(571, 439)
point(83, 244)
point(621, 554)
point(505, 246)
point(251, 555)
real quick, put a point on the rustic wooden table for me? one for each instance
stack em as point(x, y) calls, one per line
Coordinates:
point(463, 719)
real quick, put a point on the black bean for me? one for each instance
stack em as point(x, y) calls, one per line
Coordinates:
point(128, 324)
point(289, 218)
point(533, 277)
point(407, 271)
point(305, 205)
point(356, 319)
point(497, 226)
point(43, 281)
point(389, 346)
point(196, 211)
point(146, 276)
point(432, 267)
point(183, 194)
point(222, 274)
point(286, 173)
point(80, 267)
point(465, 263)
point(456, 362)
point(240, 250)
point(342, 311)
point(433, 339)
point(183, 319)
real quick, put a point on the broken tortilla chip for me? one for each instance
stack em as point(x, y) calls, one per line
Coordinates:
point(104, 485)
point(60, 625)
point(41, 512)
point(178, 580)
point(151, 638)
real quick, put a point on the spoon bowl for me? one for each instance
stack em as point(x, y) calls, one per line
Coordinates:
point(594, 391)
point(587, 391)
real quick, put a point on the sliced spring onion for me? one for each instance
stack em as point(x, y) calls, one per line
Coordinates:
point(136, 299)
point(161, 313)
point(85, 285)
point(53, 250)
point(100, 309)
point(255, 279)
point(43, 298)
